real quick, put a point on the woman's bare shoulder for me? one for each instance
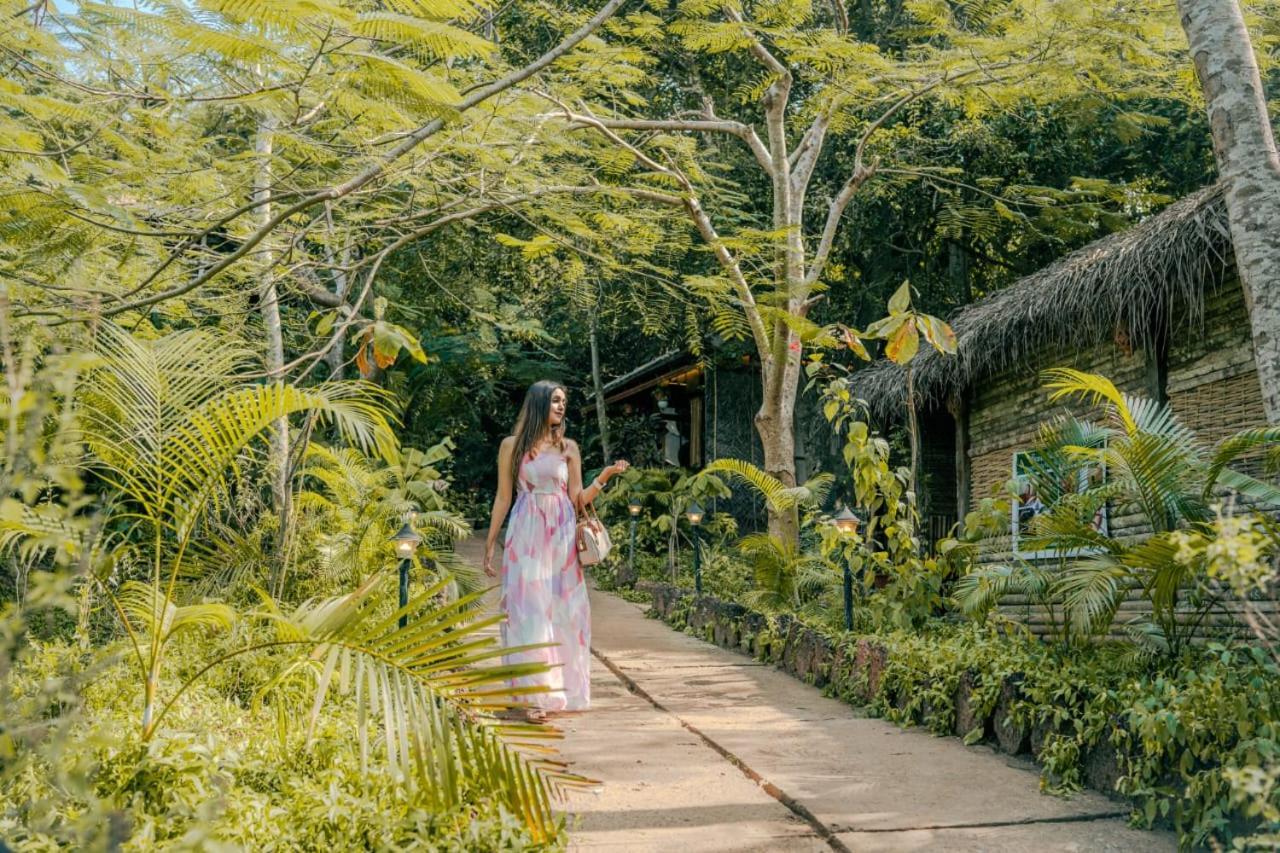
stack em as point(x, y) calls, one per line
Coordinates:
point(571, 448)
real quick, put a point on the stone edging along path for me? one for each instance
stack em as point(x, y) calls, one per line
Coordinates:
point(805, 653)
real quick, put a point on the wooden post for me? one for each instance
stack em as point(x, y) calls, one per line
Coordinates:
point(958, 406)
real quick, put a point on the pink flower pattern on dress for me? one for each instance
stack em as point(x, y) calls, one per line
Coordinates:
point(544, 595)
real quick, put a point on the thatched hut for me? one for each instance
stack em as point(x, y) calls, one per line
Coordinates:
point(1157, 308)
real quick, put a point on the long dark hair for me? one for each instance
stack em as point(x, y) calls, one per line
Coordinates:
point(532, 426)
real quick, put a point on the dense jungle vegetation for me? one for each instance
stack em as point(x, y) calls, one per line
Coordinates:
point(275, 273)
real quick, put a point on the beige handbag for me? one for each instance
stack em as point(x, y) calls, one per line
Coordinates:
point(593, 537)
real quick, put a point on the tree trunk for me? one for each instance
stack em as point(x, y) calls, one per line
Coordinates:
point(269, 305)
point(775, 423)
point(602, 417)
point(1245, 148)
point(335, 356)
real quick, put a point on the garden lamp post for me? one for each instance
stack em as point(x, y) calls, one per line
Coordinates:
point(694, 514)
point(407, 540)
point(634, 508)
point(847, 523)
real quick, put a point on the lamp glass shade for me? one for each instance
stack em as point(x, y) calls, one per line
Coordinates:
point(694, 513)
point(634, 508)
point(846, 521)
point(406, 540)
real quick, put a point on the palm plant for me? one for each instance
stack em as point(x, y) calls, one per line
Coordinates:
point(673, 491)
point(166, 423)
point(785, 575)
point(1155, 467)
point(357, 501)
point(777, 496)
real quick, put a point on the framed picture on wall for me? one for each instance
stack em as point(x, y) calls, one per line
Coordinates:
point(1040, 480)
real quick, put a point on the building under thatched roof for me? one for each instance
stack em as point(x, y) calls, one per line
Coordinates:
point(1158, 309)
point(1142, 280)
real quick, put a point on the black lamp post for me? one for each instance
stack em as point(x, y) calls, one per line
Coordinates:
point(407, 540)
point(694, 514)
point(847, 523)
point(634, 508)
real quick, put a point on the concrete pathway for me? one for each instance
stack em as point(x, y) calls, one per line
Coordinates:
point(702, 749)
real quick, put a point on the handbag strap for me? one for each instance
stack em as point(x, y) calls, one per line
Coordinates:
point(589, 511)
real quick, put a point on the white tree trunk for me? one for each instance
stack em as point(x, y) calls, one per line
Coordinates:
point(775, 423)
point(602, 417)
point(269, 305)
point(336, 355)
point(1245, 148)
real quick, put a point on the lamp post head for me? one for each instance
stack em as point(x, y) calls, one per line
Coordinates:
point(846, 521)
point(694, 513)
point(634, 508)
point(407, 540)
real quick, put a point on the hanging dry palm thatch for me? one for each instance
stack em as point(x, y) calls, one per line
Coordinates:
point(1152, 275)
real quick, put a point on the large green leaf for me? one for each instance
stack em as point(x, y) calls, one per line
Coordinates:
point(430, 688)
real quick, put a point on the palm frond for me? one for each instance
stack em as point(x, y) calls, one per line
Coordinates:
point(151, 609)
point(777, 496)
point(978, 592)
point(1097, 390)
point(423, 686)
point(1231, 449)
point(1091, 593)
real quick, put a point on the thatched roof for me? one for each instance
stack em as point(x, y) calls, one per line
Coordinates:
point(1135, 280)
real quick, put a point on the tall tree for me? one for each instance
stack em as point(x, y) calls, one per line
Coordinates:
point(808, 78)
point(1245, 147)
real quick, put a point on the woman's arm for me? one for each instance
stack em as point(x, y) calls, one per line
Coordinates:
point(577, 493)
point(501, 503)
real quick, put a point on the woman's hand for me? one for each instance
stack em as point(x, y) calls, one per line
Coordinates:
point(489, 570)
point(618, 467)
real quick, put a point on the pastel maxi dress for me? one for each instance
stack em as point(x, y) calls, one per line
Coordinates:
point(543, 592)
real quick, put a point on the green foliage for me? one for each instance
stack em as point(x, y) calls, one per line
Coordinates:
point(169, 426)
point(666, 495)
point(352, 504)
point(1155, 468)
point(777, 496)
point(900, 585)
point(226, 775)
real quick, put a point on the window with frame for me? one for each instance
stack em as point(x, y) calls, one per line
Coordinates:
point(1040, 479)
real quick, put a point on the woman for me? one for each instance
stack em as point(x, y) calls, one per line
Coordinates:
point(543, 592)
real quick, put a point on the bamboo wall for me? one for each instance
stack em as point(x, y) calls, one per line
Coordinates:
point(1209, 379)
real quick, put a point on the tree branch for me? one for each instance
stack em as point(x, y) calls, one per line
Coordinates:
point(757, 48)
point(804, 159)
point(373, 171)
point(835, 210)
point(745, 132)
point(730, 264)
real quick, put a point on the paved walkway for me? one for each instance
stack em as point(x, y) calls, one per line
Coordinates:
point(702, 749)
